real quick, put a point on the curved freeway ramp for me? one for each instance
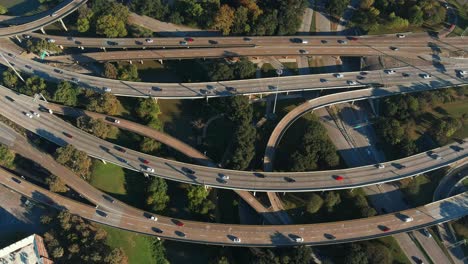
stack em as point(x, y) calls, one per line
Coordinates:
point(265, 235)
point(324, 101)
point(55, 130)
point(44, 19)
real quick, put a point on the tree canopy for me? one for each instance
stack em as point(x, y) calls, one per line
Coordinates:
point(78, 161)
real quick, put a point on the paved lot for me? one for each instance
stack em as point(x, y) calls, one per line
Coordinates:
point(17, 220)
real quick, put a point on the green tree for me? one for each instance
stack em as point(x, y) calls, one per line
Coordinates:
point(128, 72)
point(356, 255)
point(149, 145)
point(156, 195)
point(416, 16)
point(56, 185)
point(3, 10)
point(337, 7)
point(152, 8)
point(35, 85)
point(104, 103)
point(9, 78)
point(241, 23)
point(116, 256)
point(147, 109)
point(74, 159)
point(244, 69)
point(331, 199)
point(391, 130)
point(314, 203)
point(110, 71)
point(96, 127)
point(66, 93)
point(7, 157)
point(198, 200)
point(111, 27)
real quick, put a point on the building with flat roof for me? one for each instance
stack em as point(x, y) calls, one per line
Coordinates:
point(30, 250)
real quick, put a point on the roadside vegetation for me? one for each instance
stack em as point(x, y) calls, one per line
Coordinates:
point(417, 122)
point(382, 16)
point(262, 17)
point(87, 244)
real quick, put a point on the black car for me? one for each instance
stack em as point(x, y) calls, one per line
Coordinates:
point(289, 179)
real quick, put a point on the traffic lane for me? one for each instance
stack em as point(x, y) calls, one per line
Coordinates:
point(61, 10)
point(178, 171)
point(189, 53)
point(242, 41)
point(262, 235)
point(212, 89)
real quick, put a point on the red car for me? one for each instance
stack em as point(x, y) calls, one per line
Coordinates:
point(352, 38)
point(145, 161)
point(177, 222)
point(338, 177)
point(67, 135)
point(385, 228)
point(189, 39)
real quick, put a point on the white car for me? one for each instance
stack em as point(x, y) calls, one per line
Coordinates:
point(389, 71)
point(29, 115)
point(236, 240)
point(36, 114)
point(154, 218)
point(299, 239)
point(116, 121)
point(148, 40)
point(381, 166)
point(408, 219)
point(54, 14)
point(149, 169)
point(351, 82)
point(224, 176)
point(400, 35)
point(426, 76)
point(107, 89)
point(51, 40)
point(462, 72)
point(338, 75)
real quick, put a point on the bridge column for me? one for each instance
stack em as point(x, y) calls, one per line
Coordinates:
point(130, 62)
point(63, 25)
point(82, 48)
point(43, 31)
point(19, 40)
point(104, 49)
point(261, 96)
point(160, 61)
point(254, 193)
point(103, 161)
point(141, 62)
point(60, 46)
point(373, 106)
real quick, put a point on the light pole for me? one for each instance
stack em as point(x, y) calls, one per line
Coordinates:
point(279, 72)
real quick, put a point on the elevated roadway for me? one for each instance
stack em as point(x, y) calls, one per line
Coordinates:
point(296, 113)
point(45, 18)
point(56, 130)
point(384, 41)
point(169, 141)
point(266, 235)
point(445, 74)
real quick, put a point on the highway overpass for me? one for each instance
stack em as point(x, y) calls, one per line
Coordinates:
point(55, 130)
point(252, 235)
point(440, 73)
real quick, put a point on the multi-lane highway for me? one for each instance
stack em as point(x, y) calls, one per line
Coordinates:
point(252, 235)
point(319, 42)
point(60, 11)
point(58, 131)
point(446, 74)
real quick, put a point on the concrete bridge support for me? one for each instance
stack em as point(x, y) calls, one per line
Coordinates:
point(103, 161)
point(372, 103)
point(161, 62)
point(63, 25)
point(141, 61)
point(17, 38)
point(104, 49)
point(43, 31)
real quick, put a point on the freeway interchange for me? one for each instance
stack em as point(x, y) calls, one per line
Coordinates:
point(431, 75)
